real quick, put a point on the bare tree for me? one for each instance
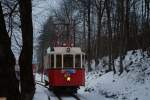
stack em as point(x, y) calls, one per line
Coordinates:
point(108, 11)
point(100, 6)
point(25, 59)
point(89, 35)
point(7, 64)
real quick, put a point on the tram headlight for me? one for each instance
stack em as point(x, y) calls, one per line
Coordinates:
point(68, 78)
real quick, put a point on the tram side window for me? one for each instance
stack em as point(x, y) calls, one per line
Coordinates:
point(77, 61)
point(68, 61)
point(52, 61)
point(58, 61)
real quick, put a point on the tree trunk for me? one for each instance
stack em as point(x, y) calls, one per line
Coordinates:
point(7, 64)
point(121, 34)
point(100, 12)
point(84, 29)
point(25, 59)
point(120, 8)
point(126, 26)
point(89, 35)
point(99, 35)
point(108, 5)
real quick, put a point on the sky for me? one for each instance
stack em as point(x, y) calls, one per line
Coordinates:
point(41, 10)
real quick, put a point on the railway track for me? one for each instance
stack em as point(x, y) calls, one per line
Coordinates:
point(75, 96)
point(59, 96)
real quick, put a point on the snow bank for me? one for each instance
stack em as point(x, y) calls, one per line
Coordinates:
point(133, 84)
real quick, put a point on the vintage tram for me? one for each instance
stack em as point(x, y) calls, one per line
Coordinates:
point(65, 68)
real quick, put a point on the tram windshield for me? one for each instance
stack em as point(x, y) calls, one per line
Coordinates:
point(52, 60)
point(68, 61)
point(58, 61)
point(78, 61)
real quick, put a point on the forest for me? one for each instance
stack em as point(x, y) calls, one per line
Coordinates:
point(100, 27)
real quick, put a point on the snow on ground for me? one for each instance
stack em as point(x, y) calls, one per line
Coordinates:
point(43, 93)
point(117, 88)
point(133, 84)
point(40, 93)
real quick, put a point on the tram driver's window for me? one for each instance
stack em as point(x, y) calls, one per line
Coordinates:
point(52, 61)
point(58, 61)
point(78, 61)
point(68, 61)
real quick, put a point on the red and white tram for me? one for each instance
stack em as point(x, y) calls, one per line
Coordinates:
point(65, 68)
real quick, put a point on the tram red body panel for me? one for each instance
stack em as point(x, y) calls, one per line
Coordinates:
point(58, 77)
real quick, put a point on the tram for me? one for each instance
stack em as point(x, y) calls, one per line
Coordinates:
point(65, 68)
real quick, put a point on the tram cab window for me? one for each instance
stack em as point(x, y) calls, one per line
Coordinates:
point(52, 61)
point(68, 61)
point(58, 61)
point(78, 61)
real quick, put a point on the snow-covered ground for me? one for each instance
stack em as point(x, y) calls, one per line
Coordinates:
point(43, 93)
point(133, 84)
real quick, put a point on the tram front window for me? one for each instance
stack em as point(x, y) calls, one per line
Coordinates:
point(52, 61)
point(58, 61)
point(68, 61)
point(77, 61)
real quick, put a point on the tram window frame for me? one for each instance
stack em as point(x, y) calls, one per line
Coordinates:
point(58, 61)
point(51, 60)
point(84, 60)
point(79, 61)
point(65, 60)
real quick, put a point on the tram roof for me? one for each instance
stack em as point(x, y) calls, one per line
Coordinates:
point(65, 50)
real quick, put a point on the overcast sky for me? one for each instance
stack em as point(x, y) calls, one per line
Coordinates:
point(41, 10)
